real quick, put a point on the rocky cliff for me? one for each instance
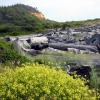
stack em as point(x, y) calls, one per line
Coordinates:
point(38, 14)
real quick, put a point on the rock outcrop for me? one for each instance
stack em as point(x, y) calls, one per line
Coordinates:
point(38, 14)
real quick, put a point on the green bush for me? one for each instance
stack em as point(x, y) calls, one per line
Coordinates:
point(39, 61)
point(14, 33)
point(39, 82)
point(9, 54)
point(95, 79)
point(13, 56)
point(3, 44)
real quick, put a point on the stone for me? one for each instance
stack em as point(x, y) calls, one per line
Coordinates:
point(39, 46)
point(83, 71)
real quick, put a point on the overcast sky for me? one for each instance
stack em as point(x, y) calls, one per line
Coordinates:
point(62, 10)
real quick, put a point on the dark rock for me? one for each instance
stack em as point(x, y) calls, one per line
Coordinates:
point(84, 71)
point(34, 52)
point(39, 46)
point(28, 40)
point(98, 48)
point(94, 40)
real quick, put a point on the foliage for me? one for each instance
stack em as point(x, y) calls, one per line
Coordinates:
point(16, 15)
point(18, 20)
point(26, 7)
point(95, 79)
point(81, 23)
point(39, 82)
point(13, 56)
point(3, 44)
point(8, 53)
point(64, 56)
point(39, 61)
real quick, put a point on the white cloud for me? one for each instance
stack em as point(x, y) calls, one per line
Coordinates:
point(63, 10)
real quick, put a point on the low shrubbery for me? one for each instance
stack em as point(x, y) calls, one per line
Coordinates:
point(40, 82)
point(13, 56)
point(9, 53)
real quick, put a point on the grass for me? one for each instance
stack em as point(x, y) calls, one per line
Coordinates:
point(83, 58)
point(63, 56)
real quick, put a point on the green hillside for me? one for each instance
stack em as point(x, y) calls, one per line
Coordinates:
point(17, 20)
point(17, 15)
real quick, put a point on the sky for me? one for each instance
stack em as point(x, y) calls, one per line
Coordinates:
point(62, 10)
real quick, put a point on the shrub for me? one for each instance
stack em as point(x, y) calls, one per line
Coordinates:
point(39, 61)
point(8, 53)
point(3, 44)
point(95, 78)
point(13, 56)
point(39, 82)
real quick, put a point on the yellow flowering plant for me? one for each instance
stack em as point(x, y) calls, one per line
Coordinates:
point(41, 82)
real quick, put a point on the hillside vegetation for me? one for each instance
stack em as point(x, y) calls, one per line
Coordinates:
point(9, 54)
point(88, 22)
point(22, 19)
point(18, 15)
point(17, 20)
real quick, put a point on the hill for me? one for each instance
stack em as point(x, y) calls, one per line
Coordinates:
point(22, 19)
point(32, 10)
point(18, 14)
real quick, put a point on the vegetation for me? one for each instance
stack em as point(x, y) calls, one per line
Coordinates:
point(39, 82)
point(95, 79)
point(62, 56)
point(19, 83)
point(17, 20)
point(9, 54)
point(62, 59)
point(81, 23)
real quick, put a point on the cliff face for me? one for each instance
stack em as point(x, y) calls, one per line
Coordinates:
point(38, 14)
